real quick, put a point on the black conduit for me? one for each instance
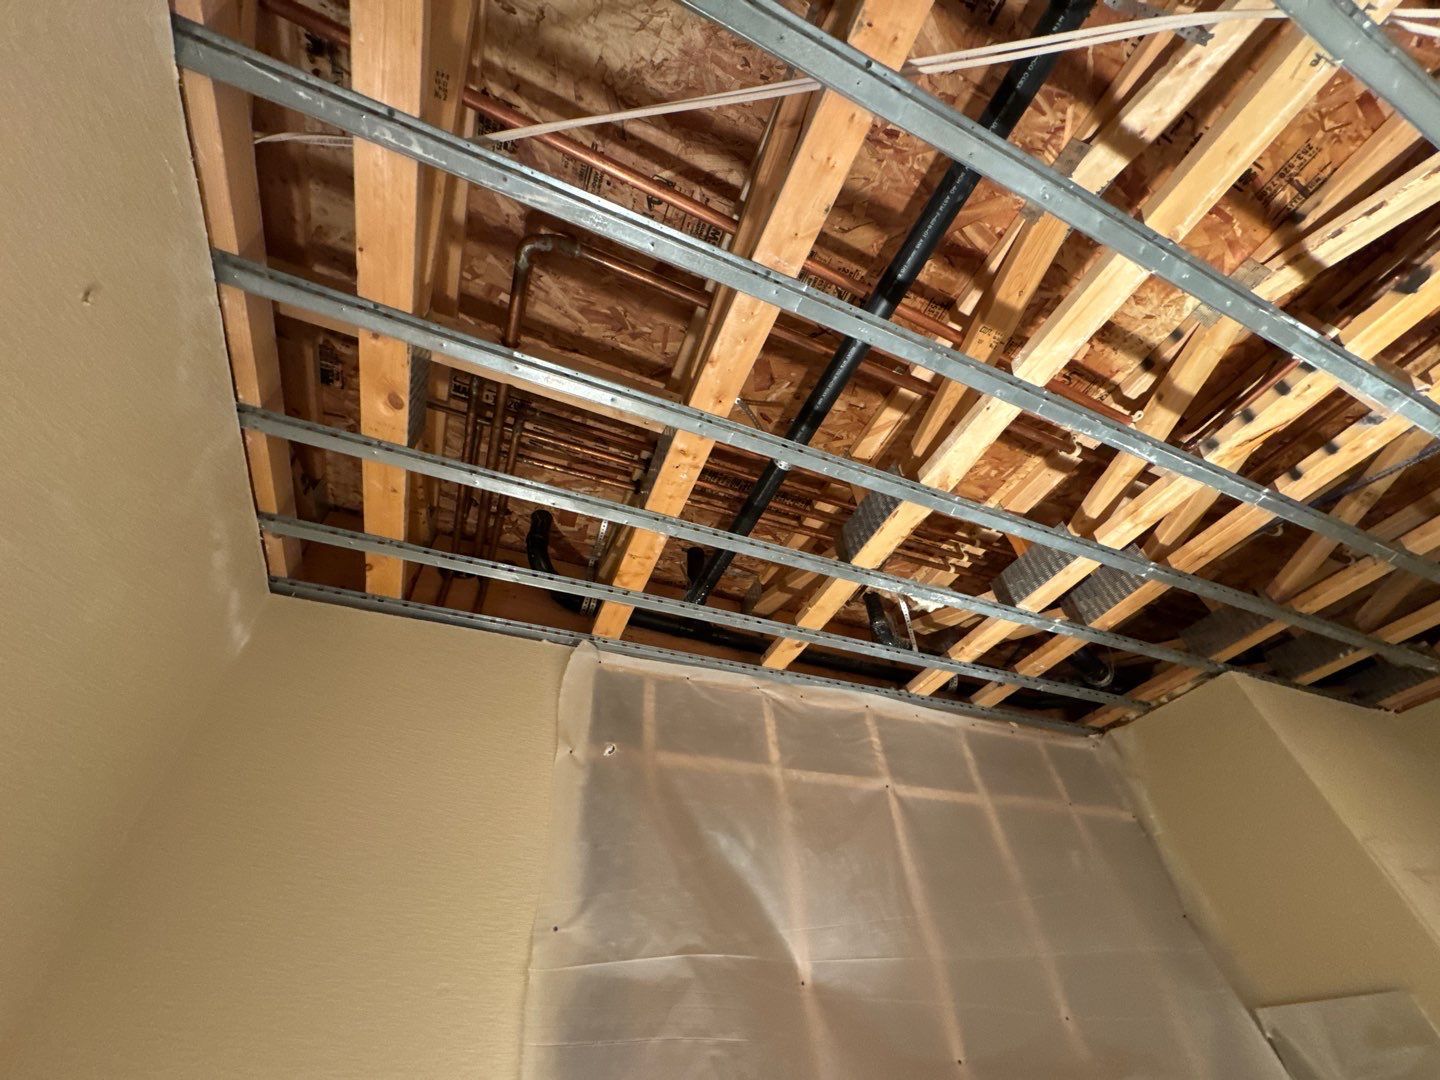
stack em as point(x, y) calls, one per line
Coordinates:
point(1017, 90)
point(537, 553)
point(880, 628)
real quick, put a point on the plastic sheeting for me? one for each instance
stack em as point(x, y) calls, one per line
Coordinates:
point(1367, 1037)
point(752, 879)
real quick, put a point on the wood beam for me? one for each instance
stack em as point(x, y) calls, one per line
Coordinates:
point(1282, 275)
point(1422, 537)
point(223, 144)
point(778, 228)
point(412, 55)
point(1285, 81)
point(1380, 325)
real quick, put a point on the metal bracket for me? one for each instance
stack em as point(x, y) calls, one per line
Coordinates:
point(1138, 9)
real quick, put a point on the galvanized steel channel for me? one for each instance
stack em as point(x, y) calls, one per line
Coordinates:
point(486, 356)
point(449, 616)
point(524, 575)
point(889, 96)
point(217, 57)
point(363, 446)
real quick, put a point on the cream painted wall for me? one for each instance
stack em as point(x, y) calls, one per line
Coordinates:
point(130, 573)
point(222, 852)
point(1304, 835)
point(338, 877)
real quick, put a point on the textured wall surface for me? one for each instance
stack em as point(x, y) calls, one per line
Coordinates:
point(130, 572)
point(1303, 835)
point(339, 876)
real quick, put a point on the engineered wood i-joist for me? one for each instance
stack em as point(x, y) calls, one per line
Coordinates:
point(785, 220)
point(1285, 81)
point(221, 138)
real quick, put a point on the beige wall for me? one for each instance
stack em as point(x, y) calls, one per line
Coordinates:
point(129, 568)
point(242, 835)
point(339, 875)
point(1304, 834)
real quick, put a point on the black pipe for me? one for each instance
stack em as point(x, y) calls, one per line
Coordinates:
point(1093, 669)
point(880, 628)
point(1017, 90)
point(537, 554)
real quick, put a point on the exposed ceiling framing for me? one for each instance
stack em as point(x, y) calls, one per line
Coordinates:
point(1158, 406)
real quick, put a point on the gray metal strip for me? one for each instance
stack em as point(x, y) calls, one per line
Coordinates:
point(219, 58)
point(345, 442)
point(1360, 45)
point(449, 616)
point(524, 575)
point(476, 354)
point(515, 487)
point(888, 95)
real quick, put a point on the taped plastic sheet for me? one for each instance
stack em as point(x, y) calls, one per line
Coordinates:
point(749, 879)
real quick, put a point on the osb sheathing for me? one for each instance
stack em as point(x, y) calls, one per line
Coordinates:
point(558, 58)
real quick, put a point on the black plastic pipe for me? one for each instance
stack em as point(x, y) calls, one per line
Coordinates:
point(1017, 90)
point(537, 554)
point(880, 628)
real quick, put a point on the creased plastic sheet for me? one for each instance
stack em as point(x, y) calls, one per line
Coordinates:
point(1367, 1037)
point(752, 879)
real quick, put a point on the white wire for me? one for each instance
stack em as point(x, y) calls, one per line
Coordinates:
point(311, 137)
point(1418, 28)
point(982, 56)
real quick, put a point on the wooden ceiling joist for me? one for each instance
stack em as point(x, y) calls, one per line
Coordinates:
point(1399, 311)
point(1379, 326)
point(1284, 83)
point(220, 135)
point(413, 55)
point(1395, 313)
point(1022, 257)
point(1282, 275)
point(1198, 161)
point(1422, 537)
point(1318, 471)
point(783, 215)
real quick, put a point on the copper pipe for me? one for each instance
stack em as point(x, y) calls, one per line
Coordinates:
point(492, 500)
point(558, 244)
point(712, 493)
point(560, 425)
point(470, 445)
point(516, 430)
point(321, 26)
